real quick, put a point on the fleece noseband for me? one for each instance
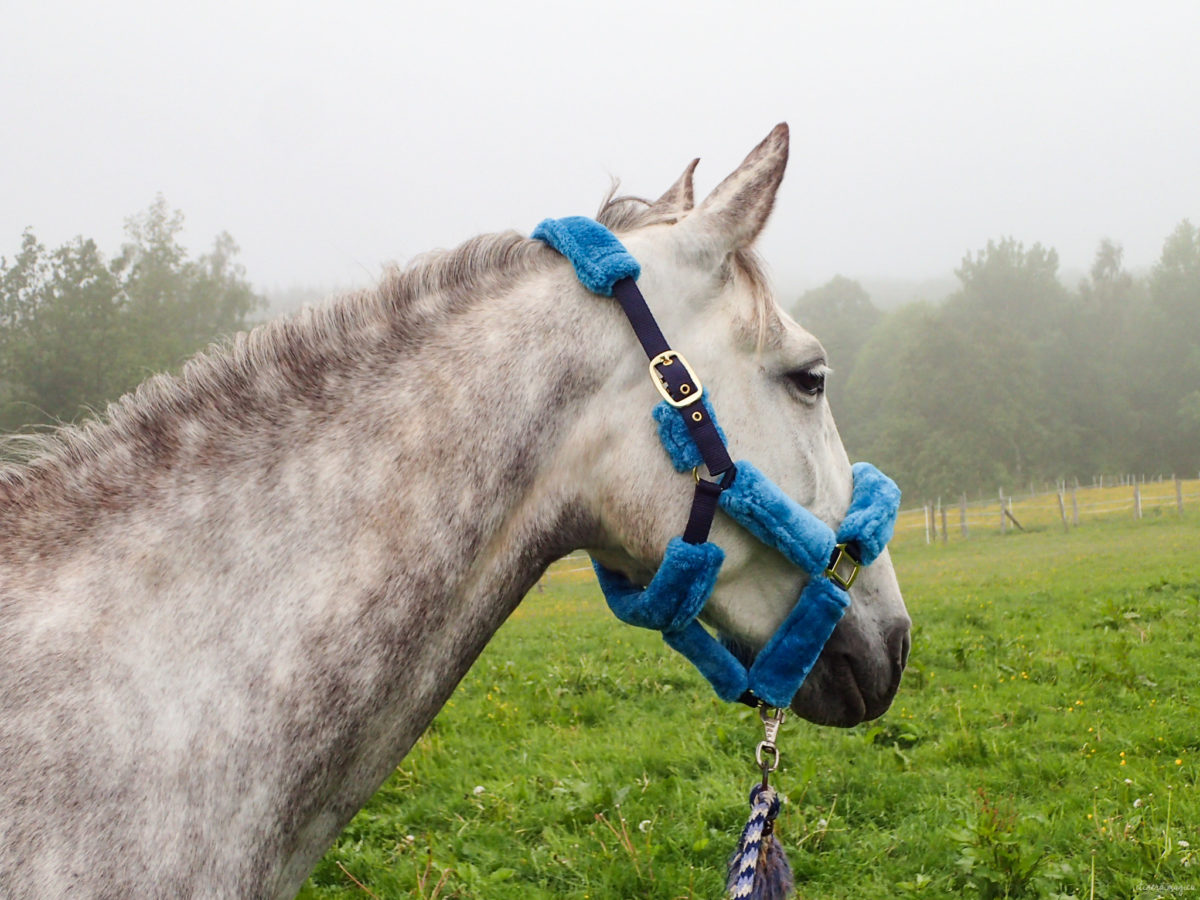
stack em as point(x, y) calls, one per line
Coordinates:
point(687, 427)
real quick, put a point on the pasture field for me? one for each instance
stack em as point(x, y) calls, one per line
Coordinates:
point(1045, 743)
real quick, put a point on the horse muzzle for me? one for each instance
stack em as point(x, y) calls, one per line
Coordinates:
point(854, 682)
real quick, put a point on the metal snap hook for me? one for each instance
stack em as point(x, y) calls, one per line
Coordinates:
point(772, 719)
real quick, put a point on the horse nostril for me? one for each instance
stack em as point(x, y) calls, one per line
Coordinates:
point(900, 642)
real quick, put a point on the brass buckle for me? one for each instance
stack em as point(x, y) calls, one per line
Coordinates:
point(843, 568)
point(667, 358)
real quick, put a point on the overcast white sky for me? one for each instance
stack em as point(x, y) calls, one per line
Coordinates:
point(331, 138)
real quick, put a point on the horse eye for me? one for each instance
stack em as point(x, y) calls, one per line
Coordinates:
point(808, 381)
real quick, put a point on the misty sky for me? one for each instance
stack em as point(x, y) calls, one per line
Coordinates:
point(332, 138)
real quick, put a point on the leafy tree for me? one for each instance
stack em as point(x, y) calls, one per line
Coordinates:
point(1172, 391)
point(1098, 352)
point(1014, 378)
point(77, 331)
point(942, 410)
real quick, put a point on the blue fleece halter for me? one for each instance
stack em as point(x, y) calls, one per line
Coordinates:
point(687, 427)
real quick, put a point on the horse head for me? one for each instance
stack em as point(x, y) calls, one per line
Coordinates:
point(764, 374)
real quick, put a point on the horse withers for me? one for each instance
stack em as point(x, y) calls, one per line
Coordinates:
point(230, 606)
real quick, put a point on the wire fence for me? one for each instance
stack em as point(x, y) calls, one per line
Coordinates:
point(1063, 506)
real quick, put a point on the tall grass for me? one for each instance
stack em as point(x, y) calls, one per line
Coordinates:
point(1044, 744)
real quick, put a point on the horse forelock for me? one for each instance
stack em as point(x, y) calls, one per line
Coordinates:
point(622, 213)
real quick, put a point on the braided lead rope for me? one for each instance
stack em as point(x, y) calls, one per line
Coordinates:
point(759, 869)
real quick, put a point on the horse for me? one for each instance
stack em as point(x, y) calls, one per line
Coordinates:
point(230, 605)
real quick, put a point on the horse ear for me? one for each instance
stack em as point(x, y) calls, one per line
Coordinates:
point(735, 212)
point(681, 196)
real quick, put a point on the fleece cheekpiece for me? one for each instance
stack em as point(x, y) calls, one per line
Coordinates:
point(669, 602)
point(675, 597)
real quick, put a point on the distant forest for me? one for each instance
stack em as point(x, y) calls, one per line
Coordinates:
point(78, 330)
point(1012, 378)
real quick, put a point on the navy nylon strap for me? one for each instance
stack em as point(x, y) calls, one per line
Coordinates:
point(704, 508)
point(648, 333)
point(605, 267)
point(699, 423)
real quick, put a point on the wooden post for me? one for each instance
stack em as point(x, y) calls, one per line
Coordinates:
point(945, 530)
point(927, 522)
point(1008, 512)
point(1075, 503)
point(1003, 521)
point(1137, 500)
point(1062, 511)
point(933, 521)
point(1179, 495)
point(962, 515)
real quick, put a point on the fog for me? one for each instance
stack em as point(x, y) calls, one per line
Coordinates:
point(329, 140)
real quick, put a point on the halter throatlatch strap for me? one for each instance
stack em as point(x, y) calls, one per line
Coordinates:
point(687, 426)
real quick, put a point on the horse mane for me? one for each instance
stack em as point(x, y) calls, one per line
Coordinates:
point(238, 379)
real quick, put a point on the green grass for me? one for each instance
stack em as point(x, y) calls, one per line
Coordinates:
point(1044, 744)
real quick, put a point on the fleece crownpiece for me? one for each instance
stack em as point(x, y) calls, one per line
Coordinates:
point(600, 260)
point(675, 597)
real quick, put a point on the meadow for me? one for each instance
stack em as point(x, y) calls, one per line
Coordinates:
point(1044, 744)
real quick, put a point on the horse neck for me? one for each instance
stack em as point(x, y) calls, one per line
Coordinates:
point(305, 592)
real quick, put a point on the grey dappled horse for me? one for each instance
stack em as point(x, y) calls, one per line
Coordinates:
point(229, 608)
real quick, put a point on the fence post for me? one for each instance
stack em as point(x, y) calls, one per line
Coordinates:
point(1075, 503)
point(1137, 500)
point(1062, 511)
point(962, 515)
point(945, 530)
point(1179, 495)
point(926, 521)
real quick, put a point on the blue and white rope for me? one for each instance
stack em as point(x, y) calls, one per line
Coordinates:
point(759, 869)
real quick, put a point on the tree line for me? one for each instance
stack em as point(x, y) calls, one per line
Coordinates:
point(1014, 377)
point(78, 329)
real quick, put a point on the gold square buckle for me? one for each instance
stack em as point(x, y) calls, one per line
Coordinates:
point(843, 568)
point(693, 391)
